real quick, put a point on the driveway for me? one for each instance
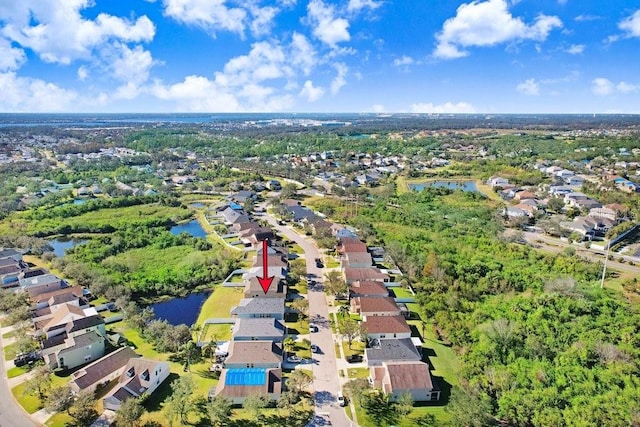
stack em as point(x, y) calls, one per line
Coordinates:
point(326, 382)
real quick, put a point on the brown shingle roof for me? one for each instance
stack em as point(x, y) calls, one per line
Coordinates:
point(364, 274)
point(386, 324)
point(366, 287)
point(66, 309)
point(409, 375)
point(377, 305)
point(254, 352)
point(102, 367)
point(74, 290)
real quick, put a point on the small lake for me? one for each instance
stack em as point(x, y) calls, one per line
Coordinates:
point(197, 205)
point(61, 245)
point(192, 227)
point(177, 311)
point(452, 185)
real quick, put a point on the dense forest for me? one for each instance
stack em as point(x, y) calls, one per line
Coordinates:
point(541, 344)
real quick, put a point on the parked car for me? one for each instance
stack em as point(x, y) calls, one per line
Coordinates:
point(319, 263)
point(354, 358)
point(24, 359)
point(294, 359)
point(341, 399)
point(315, 348)
point(313, 327)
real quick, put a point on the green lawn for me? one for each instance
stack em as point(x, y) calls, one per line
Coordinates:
point(17, 371)
point(358, 373)
point(10, 351)
point(30, 403)
point(357, 347)
point(220, 303)
point(9, 334)
point(402, 292)
point(61, 419)
point(332, 263)
point(219, 332)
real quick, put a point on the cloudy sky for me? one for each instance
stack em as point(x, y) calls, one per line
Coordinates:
point(423, 56)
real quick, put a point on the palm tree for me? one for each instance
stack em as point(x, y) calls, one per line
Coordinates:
point(343, 310)
point(210, 349)
point(289, 345)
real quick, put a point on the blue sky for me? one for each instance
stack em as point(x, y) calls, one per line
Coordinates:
point(421, 56)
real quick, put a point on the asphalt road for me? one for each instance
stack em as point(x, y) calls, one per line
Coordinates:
point(555, 245)
point(11, 414)
point(326, 382)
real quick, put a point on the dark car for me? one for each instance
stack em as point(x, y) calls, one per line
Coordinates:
point(354, 358)
point(24, 359)
point(319, 263)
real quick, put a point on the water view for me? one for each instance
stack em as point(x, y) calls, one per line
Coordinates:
point(453, 185)
point(62, 244)
point(177, 311)
point(192, 227)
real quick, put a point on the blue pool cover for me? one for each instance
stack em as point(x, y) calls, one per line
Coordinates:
point(246, 376)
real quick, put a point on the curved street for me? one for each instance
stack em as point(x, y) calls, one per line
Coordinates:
point(11, 414)
point(326, 382)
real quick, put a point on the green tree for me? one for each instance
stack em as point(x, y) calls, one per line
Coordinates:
point(130, 412)
point(181, 401)
point(298, 381)
point(301, 305)
point(219, 410)
point(289, 345)
point(39, 383)
point(83, 411)
point(404, 404)
point(469, 408)
point(344, 310)
point(355, 389)
point(59, 399)
point(255, 403)
point(350, 329)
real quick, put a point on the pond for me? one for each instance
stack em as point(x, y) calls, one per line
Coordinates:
point(197, 205)
point(60, 245)
point(192, 227)
point(179, 311)
point(453, 185)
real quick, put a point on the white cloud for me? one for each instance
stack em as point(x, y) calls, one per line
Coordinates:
point(326, 26)
point(302, 53)
point(357, 5)
point(83, 73)
point(58, 33)
point(403, 61)
point(340, 79)
point(448, 107)
point(378, 108)
point(11, 58)
point(23, 94)
point(631, 25)
point(131, 65)
point(576, 49)
point(197, 93)
point(529, 87)
point(487, 24)
point(625, 87)
point(311, 92)
point(602, 87)
point(586, 18)
point(217, 15)
point(210, 15)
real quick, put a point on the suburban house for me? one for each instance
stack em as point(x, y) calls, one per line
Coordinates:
point(396, 378)
point(10, 253)
point(394, 349)
point(584, 226)
point(356, 260)
point(140, 376)
point(232, 216)
point(254, 354)
point(56, 322)
point(259, 307)
point(375, 306)
point(368, 289)
point(77, 350)
point(383, 327)
point(372, 274)
point(496, 181)
point(258, 330)
point(102, 371)
point(238, 384)
point(42, 284)
point(49, 299)
point(351, 244)
point(253, 289)
point(11, 271)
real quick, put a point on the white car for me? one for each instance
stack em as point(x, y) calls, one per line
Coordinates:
point(314, 348)
point(341, 400)
point(313, 327)
point(294, 359)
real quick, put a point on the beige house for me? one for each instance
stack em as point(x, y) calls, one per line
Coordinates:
point(140, 376)
point(396, 378)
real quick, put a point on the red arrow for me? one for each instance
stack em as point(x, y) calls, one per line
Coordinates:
point(265, 280)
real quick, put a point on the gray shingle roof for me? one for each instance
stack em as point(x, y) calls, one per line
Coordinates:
point(393, 349)
point(270, 328)
point(259, 306)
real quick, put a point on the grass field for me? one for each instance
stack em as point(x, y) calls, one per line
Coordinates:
point(220, 303)
point(10, 351)
point(402, 292)
point(17, 371)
